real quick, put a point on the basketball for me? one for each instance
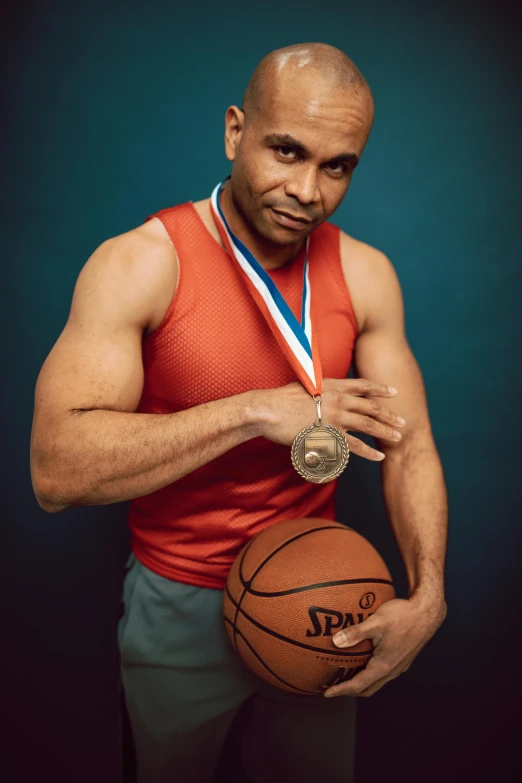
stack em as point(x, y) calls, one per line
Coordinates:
point(289, 591)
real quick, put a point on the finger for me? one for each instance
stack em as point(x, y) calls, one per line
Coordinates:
point(354, 421)
point(369, 629)
point(360, 448)
point(363, 386)
point(377, 411)
point(374, 672)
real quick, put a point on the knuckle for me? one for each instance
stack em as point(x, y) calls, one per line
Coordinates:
point(369, 423)
point(366, 384)
point(375, 406)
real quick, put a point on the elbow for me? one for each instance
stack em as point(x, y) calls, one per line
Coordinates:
point(48, 498)
point(48, 491)
point(52, 487)
point(49, 507)
point(54, 494)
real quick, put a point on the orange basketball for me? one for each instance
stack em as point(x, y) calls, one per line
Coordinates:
point(290, 589)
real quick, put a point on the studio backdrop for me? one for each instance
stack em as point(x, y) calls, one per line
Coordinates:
point(114, 110)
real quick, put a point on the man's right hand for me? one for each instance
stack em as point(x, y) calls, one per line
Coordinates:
point(348, 404)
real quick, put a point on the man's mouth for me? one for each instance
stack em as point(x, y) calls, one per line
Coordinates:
point(289, 219)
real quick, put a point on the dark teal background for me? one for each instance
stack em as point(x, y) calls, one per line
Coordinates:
point(115, 110)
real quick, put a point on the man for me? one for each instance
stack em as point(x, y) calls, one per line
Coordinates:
point(173, 385)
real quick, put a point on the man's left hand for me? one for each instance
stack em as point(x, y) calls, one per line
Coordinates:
point(399, 629)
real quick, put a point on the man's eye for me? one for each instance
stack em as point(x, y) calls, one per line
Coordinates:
point(337, 168)
point(286, 152)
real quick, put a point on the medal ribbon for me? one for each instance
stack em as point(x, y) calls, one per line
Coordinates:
point(297, 340)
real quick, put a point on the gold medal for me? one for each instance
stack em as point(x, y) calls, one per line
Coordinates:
point(320, 452)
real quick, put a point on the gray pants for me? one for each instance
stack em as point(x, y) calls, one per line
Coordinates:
point(184, 684)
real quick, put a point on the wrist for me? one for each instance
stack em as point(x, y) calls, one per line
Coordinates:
point(258, 414)
point(430, 599)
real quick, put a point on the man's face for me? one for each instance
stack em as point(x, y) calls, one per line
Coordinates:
point(294, 158)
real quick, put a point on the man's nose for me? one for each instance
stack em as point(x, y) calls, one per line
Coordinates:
point(303, 184)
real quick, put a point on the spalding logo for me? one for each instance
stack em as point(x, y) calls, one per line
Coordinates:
point(333, 621)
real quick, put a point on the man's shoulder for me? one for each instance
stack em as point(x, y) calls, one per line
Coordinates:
point(351, 247)
point(142, 263)
point(148, 237)
point(368, 273)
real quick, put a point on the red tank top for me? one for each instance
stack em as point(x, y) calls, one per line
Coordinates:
point(214, 343)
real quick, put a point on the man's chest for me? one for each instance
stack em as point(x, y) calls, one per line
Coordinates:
point(352, 263)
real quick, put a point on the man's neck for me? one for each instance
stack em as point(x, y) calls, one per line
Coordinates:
point(268, 254)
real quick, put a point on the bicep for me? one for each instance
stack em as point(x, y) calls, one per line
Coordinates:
point(90, 368)
point(97, 360)
point(382, 354)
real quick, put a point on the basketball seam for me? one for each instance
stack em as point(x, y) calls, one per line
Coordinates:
point(261, 661)
point(285, 543)
point(242, 582)
point(262, 564)
point(340, 653)
point(318, 585)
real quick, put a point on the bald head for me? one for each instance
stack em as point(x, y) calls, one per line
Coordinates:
point(305, 120)
point(316, 63)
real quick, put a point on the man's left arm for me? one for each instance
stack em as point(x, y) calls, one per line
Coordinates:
point(413, 488)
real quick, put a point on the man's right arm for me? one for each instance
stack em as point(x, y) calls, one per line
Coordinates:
point(88, 445)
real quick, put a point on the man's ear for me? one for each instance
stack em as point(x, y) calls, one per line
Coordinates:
point(234, 126)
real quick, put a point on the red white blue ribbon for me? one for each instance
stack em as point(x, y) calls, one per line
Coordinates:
point(297, 340)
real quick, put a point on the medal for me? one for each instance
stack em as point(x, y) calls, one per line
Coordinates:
point(319, 452)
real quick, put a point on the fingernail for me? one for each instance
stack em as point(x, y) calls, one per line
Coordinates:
point(380, 454)
point(392, 390)
point(401, 420)
point(339, 638)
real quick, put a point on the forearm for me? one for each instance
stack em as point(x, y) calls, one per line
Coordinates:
point(416, 501)
point(99, 457)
